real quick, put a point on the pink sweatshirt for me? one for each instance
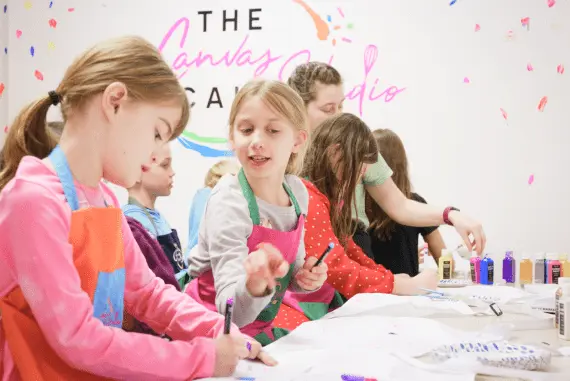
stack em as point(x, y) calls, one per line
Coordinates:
point(35, 254)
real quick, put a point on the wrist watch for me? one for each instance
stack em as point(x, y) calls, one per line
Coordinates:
point(446, 212)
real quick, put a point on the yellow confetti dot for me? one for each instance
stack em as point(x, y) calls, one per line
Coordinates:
point(51, 45)
point(28, 5)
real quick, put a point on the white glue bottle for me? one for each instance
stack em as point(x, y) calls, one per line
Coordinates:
point(564, 313)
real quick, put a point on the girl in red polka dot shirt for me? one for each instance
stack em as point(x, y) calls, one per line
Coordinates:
point(339, 153)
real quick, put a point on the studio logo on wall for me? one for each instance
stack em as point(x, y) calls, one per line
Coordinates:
point(333, 28)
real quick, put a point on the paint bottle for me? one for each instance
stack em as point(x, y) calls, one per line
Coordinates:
point(475, 265)
point(552, 269)
point(445, 264)
point(564, 265)
point(487, 270)
point(509, 267)
point(539, 270)
point(564, 313)
point(557, 296)
point(525, 273)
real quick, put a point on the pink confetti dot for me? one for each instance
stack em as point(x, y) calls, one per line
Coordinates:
point(529, 67)
point(18, 33)
point(2, 87)
point(477, 27)
point(530, 179)
point(52, 23)
point(5, 129)
point(560, 69)
point(38, 74)
point(466, 80)
point(70, 9)
point(550, 3)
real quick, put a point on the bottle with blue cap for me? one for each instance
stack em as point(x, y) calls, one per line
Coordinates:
point(487, 270)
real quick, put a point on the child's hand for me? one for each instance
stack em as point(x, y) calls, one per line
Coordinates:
point(229, 350)
point(262, 267)
point(426, 279)
point(255, 352)
point(310, 278)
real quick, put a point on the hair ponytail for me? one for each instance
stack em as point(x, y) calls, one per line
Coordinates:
point(28, 136)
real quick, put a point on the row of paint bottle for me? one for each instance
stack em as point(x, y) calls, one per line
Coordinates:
point(562, 308)
point(544, 269)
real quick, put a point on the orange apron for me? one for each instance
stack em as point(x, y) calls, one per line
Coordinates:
point(95, 234)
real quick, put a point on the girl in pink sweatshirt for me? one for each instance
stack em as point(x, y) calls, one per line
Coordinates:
point(70, 267)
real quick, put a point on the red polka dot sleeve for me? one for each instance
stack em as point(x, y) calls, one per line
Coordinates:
point(350, 271)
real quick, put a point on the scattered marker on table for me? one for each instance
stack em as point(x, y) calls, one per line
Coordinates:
point(477, 27)
point(529, 67)
point(542, 103)
point(530, 179)
point(560, 69)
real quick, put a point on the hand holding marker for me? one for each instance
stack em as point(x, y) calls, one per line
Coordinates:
point(324, 255)
point(228, 316)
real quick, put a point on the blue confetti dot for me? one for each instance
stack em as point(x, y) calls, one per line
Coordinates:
point(452, 2)
point(32, 51)
point(329, 18)
point(5, 50)
point(50, 4)
point(5, 8)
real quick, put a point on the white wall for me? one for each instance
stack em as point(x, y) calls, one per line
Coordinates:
point(463, 152)
point(4, 120)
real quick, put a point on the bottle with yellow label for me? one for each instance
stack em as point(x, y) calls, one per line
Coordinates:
point(564, 265)
point(445, 264)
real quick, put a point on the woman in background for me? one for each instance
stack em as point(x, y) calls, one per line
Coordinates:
point(395, 246)
point(321, 88)
point(216, 172)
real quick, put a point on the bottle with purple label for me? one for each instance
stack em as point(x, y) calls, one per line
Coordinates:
point(509, 267)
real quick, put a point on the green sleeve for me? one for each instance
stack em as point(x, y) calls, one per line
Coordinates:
point(377, 173)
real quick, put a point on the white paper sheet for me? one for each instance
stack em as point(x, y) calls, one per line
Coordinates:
point(329, 365)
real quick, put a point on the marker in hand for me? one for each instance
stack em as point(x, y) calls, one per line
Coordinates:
point(324, 255)
point(228, 315)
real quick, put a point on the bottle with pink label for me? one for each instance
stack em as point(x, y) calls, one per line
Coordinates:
point(475, 264)
point(553, 268)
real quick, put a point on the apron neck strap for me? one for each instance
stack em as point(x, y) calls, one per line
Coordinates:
point(252, 202)
point(133, 201)
point(61, 166)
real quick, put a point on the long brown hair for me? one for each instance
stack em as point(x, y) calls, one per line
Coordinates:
point(393, 151)
point(305, 77)
point(346, 138)
point(285, 102)
point(130, 60)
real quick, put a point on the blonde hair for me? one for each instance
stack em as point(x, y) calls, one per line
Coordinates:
point(305, 77)
point(132, 61)
point(217, 171)
point(283, 100)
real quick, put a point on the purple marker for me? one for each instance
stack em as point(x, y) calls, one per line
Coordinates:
point(352, 377)
point(228, 315)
